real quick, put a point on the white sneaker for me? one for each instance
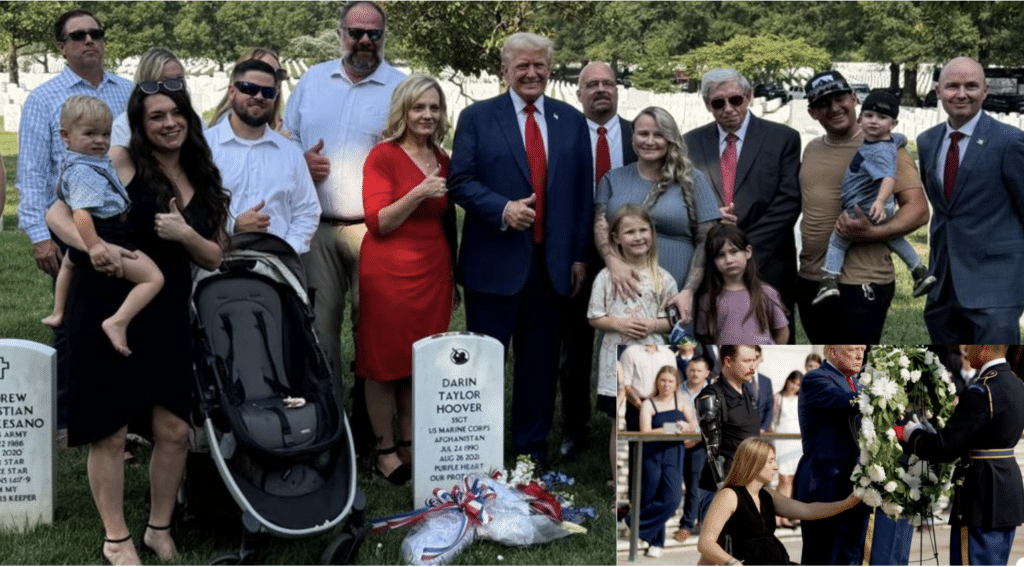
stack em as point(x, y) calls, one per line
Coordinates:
point(653, 551)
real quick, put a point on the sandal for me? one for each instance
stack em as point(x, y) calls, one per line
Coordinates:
point(398, 477)
point(149, 549)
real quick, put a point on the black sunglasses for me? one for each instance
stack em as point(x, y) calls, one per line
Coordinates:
point(252, 89)
point(153, 87)
point(358, 33)
point(734, 101)
point(79, 35)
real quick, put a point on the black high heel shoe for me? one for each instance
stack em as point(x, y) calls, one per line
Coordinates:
point(398, 477)
point(106, 541)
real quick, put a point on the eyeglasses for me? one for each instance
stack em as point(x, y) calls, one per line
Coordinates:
point(358, 33)
point(79, 35)
point(252, 89)
point(153, 87)
point(734, 101)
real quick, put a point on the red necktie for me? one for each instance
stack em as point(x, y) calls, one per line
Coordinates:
point(728, 165)
point(603, 160)
point(850, 380)
point(538, 162)
point(952, 165)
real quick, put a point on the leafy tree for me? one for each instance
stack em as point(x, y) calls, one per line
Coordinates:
point(134, 27)
point(762, 59)
point(23, 24)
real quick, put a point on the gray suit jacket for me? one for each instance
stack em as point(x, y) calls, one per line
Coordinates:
point(767, 193)
point(977, 237)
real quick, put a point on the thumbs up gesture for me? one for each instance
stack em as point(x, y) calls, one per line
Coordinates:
point(520, 214)
point(319, 166)
point(252, 220)
point(171, 225)
point(433, 186)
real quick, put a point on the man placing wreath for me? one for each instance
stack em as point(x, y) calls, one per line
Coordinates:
point(987, 423)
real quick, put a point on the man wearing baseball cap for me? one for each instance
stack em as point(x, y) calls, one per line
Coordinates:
point(866, 282)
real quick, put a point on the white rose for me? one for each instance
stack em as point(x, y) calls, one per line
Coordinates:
point(905, 374)
point(904, 361)
point(890, 486)
point(915, 376)
point(915, 494)
point(858, 492)
point(928, 357)
point(865, 378)
point(872, 498)
point(865, 481)
point(877, 473)
point(891, 434)
point(864, 457)
point(864, 402)
point(892, 509)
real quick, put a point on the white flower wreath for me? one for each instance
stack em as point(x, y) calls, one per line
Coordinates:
point(895, 379)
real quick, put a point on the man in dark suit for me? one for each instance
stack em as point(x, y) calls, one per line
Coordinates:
point(527, 189)
point(610, 147)
point(989, 501)
point(754, 166)
point(761, 388)
point(976, 188)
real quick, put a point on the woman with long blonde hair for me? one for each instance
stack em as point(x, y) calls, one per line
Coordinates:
point(742, 515)
point(406, 262)
point(679, 198)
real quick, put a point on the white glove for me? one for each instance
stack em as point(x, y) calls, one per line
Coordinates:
point(915, 424)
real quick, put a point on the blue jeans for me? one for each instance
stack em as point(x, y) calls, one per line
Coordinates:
point(696, 502)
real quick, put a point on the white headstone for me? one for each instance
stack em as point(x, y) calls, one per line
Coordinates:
point(28, 403)
point(458, 402)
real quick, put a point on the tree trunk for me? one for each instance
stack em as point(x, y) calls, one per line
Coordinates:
point(894, 75)
point(12, 62)
point(910, 97)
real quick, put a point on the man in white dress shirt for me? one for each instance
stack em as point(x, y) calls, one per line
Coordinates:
point(271, 189)
point(336, 114)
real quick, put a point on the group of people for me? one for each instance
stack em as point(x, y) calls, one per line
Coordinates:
point(574, 221)
point(739, 512)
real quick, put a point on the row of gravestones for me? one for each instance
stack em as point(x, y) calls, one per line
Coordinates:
point(458, 416)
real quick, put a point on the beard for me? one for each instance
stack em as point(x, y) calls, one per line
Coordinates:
point(249, 118)
point(364, 65)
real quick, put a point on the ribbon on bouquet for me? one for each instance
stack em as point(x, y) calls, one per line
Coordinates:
point(869, 537)
point(469, 500)
point(542, 501)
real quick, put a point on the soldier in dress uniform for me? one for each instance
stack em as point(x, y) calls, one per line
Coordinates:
point(988, 421)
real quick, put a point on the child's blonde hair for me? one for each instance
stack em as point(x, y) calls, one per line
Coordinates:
point(639, 212)
point(83, 107)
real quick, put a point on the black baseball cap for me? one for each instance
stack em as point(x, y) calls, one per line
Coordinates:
point(824, 85)
point(882, 102)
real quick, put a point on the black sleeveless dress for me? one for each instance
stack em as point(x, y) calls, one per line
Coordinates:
point(753, 532)
point(107, 390)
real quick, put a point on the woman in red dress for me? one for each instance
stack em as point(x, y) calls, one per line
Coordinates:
point(405, 263)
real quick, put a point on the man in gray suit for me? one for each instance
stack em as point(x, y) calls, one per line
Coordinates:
point(754, 166)
point(610, 146)
point(973, 171)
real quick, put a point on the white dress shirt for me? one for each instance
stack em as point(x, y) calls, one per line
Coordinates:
point(613, 132)
point(967, 130)
point(270, 169)
point(741, 134)
point(349, 117)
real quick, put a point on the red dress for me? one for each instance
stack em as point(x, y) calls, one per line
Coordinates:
point(405, 277)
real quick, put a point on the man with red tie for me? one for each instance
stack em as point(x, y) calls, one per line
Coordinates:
point(527, 189)
point(753, 165)
point(610, 146)
point(973, 172)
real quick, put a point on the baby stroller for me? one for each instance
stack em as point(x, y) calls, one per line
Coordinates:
point(268, 414)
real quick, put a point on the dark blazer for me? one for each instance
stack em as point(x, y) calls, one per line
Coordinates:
point(828, 426)
point(992, 495)
point(489, 169)
point(765, 399)
point(977, 238)
point(767, 193)
point(628, 155)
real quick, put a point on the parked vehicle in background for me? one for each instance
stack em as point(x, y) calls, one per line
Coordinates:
point(1005, 90)
point(768, 92)
point(796, 92)
point(862, 90)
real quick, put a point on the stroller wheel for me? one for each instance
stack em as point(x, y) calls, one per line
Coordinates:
point(341, 551)
point(225, 559)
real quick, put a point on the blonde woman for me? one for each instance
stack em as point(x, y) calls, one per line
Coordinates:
point(679, 197)
point(268, 56)
point(406, 262)
point(742, 515)
point(158, 66)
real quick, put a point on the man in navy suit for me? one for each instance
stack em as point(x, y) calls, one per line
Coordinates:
point(610, 147)
point(527, 189)
point(763, 198)
point(976, 188)
point(761, 388)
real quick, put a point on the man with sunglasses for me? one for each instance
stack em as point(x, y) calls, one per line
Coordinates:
point(81, 40)
point(753, 164)
point(335, 115)
point(271, 190)
point(867, 283)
